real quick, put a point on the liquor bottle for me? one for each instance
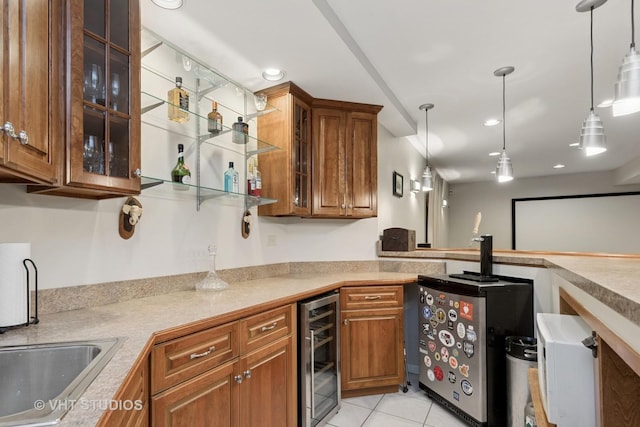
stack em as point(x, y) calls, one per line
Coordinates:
point(231, 180)
point(178, 102)
point(240, 134)
point(251, 180)
point(181, 173)
point(214, 120)
point(257, 178)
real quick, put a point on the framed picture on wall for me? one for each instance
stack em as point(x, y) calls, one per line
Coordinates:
point(398, 184)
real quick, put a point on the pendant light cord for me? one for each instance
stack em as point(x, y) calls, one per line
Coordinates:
point(504, 137)
point(591, 58)
point(426, 133)
point(633, 28)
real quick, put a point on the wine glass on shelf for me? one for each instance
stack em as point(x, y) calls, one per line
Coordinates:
point(96, 84)
point(89, 154)
point(115, 90)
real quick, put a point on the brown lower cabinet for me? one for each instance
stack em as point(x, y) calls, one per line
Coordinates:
point(372, 338)
point(239, 374)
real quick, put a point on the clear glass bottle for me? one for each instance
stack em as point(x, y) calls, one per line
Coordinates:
point(178, 103)
point(231, 180)
point(251, 180)
point(257, 178)
point(211, 282)
point(214, 120)
point(240, 134)
point(181, 173)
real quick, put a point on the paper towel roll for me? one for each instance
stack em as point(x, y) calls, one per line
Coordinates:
point(13, 284)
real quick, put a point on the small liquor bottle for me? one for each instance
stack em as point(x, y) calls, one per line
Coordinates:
point(251, 180)
point(178, 103)
point(231, 177)
point(214, 120)
point(181, 173)
point(257, 178)
point(240, 134)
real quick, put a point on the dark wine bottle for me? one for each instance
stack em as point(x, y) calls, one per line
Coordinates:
point(181, 173)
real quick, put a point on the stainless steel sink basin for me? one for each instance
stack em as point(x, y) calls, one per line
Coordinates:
point(40, 383)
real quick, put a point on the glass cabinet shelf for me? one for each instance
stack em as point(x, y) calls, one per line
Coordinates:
point(174, 190)
point(154, 113)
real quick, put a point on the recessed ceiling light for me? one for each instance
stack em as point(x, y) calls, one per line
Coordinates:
point(494, 153)
point(273, 74)
point(574, 144)
point(492, 122)
point(558, 166)
point(606, 103)
point(168, 4)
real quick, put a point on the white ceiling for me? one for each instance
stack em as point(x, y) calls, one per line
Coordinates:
point(405, 53)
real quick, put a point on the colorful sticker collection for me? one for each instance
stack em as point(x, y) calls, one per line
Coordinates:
point(442, 323)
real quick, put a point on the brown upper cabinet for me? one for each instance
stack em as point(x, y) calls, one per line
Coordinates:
point(31, 94)
point(345, 166)
point(102, 100)
point(327, 165)
point(286, 173)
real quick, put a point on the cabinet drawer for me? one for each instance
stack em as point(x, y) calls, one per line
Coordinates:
point(182, 358)
point(266, 327)
point(365, 297)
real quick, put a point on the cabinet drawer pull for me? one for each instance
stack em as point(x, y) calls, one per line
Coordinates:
point(238, 378)
point(268, 328)
point(247, 374)
point(206, 353)
point(370, 298)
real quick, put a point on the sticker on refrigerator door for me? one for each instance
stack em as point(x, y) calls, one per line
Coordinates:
point(453, 362)
point(427, 313)
point(464, 370)
point(460, 330)
point(453, 315)
point(446, 338)
point(434, 322)
point(467, 388)
point(468, 349)
point(456, 396)
point(471, 334)
point(425, 328)
point(429, 299)
point(439, 373)
point(441, 316)
point(427, 361)
point(445, 354)
point(452, 377)
point(466, 310)
point(421, 299)
point(431, 375)
point(432, 346)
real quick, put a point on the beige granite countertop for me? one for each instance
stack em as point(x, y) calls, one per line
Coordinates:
point(138, 319)
point(612, 279)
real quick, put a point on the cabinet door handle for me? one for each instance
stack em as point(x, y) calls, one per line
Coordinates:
point(137, 173)
point(371, 298)
point(238, 378)
point(206, 353)
point(268, 328)
point(345, 322)
point(247, 374)
point(10, 131)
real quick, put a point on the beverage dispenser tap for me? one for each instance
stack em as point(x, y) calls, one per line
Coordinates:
point(486, 254)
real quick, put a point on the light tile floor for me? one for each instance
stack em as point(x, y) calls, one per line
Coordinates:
point(410, 409)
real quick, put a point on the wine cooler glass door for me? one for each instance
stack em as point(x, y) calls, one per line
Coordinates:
point(322, 373)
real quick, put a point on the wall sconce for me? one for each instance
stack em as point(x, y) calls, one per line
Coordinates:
point(415, 186)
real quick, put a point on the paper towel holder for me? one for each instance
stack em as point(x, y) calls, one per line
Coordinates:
point(30, 320)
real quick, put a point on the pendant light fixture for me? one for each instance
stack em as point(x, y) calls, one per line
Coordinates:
point(504, 170)
point(427, 178)
point(592, 138)
point(627, 88)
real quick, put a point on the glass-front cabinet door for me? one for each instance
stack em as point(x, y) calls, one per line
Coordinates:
point(103, 142)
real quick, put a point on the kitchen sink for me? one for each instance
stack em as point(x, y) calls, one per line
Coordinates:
point(39, 383)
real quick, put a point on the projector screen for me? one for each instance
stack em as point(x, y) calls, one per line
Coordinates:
point(580, 223)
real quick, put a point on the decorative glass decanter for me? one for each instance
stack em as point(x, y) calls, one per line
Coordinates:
point(211, 282)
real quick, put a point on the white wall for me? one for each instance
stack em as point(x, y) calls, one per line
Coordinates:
point(494, 201)
point(76, 241)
